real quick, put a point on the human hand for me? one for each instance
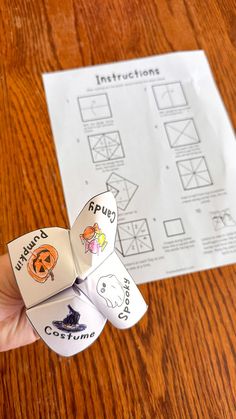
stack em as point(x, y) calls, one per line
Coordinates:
point(15, 328)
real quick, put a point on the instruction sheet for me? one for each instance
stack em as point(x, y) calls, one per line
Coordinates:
point(154, 132)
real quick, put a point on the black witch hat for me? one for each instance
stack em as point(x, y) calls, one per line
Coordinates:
point(70, 323)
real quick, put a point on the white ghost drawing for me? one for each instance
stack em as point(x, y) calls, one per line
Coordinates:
point(111, 290)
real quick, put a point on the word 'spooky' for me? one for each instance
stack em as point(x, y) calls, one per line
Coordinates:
point(93, 239)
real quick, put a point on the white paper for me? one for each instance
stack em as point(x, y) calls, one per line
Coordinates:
point(114, 293)
point(66, 276)
point(43, 263)
point(155, 132)
point(93, 233)
point(50, 319)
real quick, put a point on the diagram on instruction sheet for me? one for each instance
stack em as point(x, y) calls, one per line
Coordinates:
point(174, 227)
point(194, 173)
point(93, 108)
point(133, 238)
point(122, 188)
point(169, 95)
point(155, 133)
point(106, 146)
point(222, 219)
point(181, 133)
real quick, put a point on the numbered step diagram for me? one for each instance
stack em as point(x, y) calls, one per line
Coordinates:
point(133, 238)
point(181, 133)
point(169, 95)
point(93, 108)
point(194, 173)
point(106, 146)
point(122, 189)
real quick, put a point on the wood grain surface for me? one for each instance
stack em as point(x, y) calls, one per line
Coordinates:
point(180, 360)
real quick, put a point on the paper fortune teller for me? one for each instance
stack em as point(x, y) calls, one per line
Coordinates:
point(72, 281)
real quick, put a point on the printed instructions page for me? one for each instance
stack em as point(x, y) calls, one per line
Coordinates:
point(155, 132)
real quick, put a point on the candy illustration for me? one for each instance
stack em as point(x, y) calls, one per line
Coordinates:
point(93, 239)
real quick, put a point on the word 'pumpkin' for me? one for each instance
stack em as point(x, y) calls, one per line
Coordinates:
point(41, 263)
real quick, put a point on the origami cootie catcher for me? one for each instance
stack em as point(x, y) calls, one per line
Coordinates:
point(72, 281)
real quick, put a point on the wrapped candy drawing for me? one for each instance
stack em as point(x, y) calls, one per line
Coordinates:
point(93, 239)
point(89, 284)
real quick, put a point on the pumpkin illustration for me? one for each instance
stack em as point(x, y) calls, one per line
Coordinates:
point(41, 263)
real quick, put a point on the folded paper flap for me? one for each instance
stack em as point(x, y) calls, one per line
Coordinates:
point(93, 233)
point(114, 293)
point(72, 281)
point(68, 324)
point(43, 264)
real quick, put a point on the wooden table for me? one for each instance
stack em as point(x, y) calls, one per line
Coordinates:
point(180, 360)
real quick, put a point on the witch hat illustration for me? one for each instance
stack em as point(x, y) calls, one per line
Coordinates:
point(70, 323)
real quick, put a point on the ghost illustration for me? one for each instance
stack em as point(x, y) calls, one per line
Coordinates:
point(111, 290)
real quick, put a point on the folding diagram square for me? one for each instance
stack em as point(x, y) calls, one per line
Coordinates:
point(133, 238)
point(181, 133)
point(169, 95)
point(94, 107)
point(106, 146)
point(194, 173)
point(174, 227)
point(123, 189)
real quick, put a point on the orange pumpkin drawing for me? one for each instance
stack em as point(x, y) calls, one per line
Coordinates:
point(41, 263)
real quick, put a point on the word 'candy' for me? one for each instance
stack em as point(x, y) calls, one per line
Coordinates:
point(72, 281)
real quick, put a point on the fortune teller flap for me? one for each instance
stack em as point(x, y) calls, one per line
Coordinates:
point(72, 281)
